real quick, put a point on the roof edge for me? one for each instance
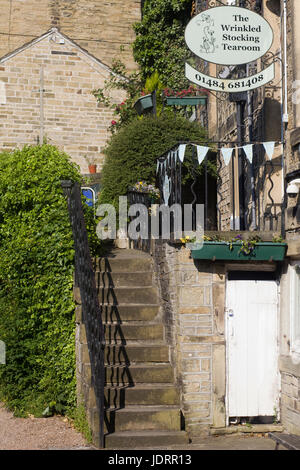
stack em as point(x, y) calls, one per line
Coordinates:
point(51, 31)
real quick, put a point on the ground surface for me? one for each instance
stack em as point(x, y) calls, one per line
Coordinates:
point(56, 434)
point(37, 433)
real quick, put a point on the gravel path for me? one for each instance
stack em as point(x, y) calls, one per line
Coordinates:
point(53, 433)
point(56, 433)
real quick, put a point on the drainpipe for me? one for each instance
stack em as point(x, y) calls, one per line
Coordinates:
point(250, 130)
point(284, 111)
point(240, 139)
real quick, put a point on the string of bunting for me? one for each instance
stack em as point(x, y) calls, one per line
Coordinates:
point(225, 151)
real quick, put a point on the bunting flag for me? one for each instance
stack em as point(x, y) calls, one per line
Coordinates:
point(248, 149)
point(201, 153)
point(227, 153)
point(269, 148)
point(181, 152)
point(166, 189)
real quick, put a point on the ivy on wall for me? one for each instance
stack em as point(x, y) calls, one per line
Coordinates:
point(159, 44)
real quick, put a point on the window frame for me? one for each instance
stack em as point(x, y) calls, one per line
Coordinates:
point(295, 308)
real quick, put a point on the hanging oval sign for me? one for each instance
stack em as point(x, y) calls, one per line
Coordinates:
point(228, 35)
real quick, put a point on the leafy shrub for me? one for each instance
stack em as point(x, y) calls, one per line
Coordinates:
point(131, 154)
point(36, 278)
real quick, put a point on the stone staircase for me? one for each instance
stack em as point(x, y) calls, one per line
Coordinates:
point(141, 398)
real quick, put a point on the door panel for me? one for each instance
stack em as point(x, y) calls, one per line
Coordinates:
point(251, 326)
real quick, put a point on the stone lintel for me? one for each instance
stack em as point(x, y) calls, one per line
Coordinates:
point(252, 266)
point(195, 310)
point(203, 339)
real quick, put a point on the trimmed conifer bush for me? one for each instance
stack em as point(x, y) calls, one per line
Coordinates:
point(132, 152)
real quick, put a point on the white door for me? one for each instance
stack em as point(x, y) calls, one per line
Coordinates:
point(252, 356)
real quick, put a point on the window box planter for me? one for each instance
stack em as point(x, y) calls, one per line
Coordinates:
point(186, 100)
point(144, 103)
point(264, 251)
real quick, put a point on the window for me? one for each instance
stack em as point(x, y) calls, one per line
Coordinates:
point(295, 312)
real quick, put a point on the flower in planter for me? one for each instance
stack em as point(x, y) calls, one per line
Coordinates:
point(187, 239)
point(143, 187)
point(190, 91)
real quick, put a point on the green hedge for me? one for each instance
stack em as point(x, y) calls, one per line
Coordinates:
point(36, 278)
point(131, 154)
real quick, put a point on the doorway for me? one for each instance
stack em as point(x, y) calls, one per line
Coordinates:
point(252, 389)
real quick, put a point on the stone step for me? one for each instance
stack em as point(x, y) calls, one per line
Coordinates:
point(113, 279)
point(133, 312)
point(163, 418)
point(142, 394)
point(128, 295)
point(139, 373)
point(129, 353)
point(116, 333)
point(145, 439)
point(123, 265)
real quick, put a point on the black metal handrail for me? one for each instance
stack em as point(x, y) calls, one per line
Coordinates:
point(135, 197)
point(91, 312)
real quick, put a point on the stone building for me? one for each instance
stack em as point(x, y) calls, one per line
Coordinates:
point(65, 112)
point(208, 309)
point(64, 48)
point(230, 319)
point(104, 29)
point(260, 198)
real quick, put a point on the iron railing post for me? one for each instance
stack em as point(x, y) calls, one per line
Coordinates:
point(85, 280)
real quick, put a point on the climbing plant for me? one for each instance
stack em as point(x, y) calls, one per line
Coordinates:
point(160, 51)
point(159, 44)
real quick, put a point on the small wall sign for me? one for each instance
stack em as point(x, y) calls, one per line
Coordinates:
point(230, 86)
point(228, 35)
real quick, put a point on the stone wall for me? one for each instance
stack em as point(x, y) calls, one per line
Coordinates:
point(100, 27)
point(85, 391)
point(193, 296)
point(70, 115)
point(292, 134)
point(288, 366)
point(290, 395)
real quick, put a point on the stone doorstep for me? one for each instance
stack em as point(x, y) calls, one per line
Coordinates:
point(128, 295)
point(139, 373)
point(145, 439)
point(133, 332)
point(254, 428)
point(136, 352)
point(143, 394)
point(129, 312)
point(129, 279)
point(136, 417)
